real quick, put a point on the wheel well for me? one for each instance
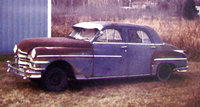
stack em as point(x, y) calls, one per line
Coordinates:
point(170, 64)
point(164, 71)
point(63, 65)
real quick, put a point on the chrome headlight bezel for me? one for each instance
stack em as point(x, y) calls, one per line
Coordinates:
point(33, 53)
point(15, 49)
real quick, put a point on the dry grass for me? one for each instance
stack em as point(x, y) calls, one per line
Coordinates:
point(179, 32)
point(165, 18)
point(182, 90)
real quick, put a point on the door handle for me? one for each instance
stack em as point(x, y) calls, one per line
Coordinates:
point(123, 47)
point(153, 47)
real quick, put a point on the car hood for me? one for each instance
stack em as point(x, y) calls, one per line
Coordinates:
point(28, 44)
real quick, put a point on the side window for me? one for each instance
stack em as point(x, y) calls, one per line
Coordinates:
point(143, 36)
point(138, 36)
point(110, 35)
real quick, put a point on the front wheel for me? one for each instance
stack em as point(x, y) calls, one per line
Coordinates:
point(164, 72)
point(55, 79)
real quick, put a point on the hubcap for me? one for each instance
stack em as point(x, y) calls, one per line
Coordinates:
point(55, 79)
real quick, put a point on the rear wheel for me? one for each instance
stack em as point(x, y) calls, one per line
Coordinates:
point(55, 79)
point(164, 72)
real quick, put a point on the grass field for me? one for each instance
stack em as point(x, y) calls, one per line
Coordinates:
point(179, 32)
point(183, 90)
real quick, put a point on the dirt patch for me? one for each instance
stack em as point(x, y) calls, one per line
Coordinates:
point(181, 90)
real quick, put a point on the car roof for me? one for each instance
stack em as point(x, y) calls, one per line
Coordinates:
point(102, 24)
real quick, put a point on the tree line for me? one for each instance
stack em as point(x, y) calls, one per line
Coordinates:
point(112, 8)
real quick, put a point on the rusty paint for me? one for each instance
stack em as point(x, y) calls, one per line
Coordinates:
point(28, 44)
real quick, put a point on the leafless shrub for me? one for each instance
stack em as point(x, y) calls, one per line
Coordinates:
point(189, 11)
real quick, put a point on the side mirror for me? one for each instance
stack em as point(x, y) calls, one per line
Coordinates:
point(101, 33)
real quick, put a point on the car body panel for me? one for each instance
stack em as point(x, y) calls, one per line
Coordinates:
point(82, 66)
point(109, 59)
point(95, 59)
point(139, 56)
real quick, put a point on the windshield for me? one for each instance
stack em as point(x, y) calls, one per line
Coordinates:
point(83, 34)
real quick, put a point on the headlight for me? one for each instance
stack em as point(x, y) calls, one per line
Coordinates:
point(33, 53)
point(15, 49)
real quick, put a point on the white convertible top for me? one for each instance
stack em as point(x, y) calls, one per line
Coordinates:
point(89, 25)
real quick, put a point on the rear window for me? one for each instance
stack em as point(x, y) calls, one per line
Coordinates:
point(138, 36)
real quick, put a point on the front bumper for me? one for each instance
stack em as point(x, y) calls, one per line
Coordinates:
point(181, 69)
point(25, 73)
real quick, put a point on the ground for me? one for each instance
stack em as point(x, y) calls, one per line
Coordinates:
point(182, 90)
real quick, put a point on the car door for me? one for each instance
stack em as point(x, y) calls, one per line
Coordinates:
point(109, 53)
point(139, 52)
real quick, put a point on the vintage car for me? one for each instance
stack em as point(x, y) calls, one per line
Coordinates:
point(96, 50)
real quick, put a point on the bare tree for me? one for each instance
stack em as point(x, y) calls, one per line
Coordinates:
point(189, 11)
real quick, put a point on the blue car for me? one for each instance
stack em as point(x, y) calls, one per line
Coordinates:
point(96, 50)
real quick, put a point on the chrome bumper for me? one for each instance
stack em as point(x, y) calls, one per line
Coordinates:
point(25, 73)
point(181, 69)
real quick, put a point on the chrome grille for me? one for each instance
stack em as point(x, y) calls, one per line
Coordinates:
point(22, 60)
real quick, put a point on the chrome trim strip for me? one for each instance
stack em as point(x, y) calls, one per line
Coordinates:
point(39, 62)
point(179, 51)
point(106, 77)
point(22, 51)
point(50, 47)
point(36, 69)
point(32, 72)
point(128, 43)
point(181, 69)
point(105, 56)
point(170, 59)
point(81, 56)
point(23, 63)
point(21, 55)
point(29, 64)
point(35, 76)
